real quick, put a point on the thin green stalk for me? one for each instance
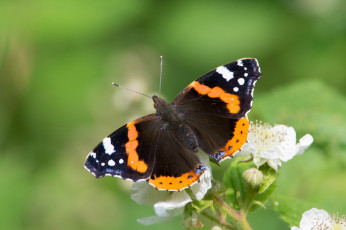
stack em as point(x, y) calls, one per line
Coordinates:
point(217, 221)
point(235, 215)
point(250, 196)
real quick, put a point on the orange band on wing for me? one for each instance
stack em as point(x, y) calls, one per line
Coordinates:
point(202, 89)
point(132, 133)
point(172, 183)
point(232, 101)
point(238, 140)
point(132, 156)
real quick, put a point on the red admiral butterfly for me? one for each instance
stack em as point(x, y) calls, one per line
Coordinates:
point(161, 148)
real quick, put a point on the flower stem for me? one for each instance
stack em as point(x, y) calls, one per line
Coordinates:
point(220, 222)
point(235, 215)
point(250, 196)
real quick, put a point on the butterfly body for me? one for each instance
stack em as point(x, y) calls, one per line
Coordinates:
point(210, 114)
point(173, 122)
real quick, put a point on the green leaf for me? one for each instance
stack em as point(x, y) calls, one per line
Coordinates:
point(269, 177)
point(289, 209)
point(258, 203)
point(264, 196)
point(201, 205)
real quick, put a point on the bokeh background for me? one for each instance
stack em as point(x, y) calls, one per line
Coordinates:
point(57, 62)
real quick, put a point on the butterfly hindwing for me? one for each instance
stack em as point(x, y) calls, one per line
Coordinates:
point(177, 164)
point(216, 104)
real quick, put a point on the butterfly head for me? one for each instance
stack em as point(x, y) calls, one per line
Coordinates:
point(164, 110)
point(160, 105)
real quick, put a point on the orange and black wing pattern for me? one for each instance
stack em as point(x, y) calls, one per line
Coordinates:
point(146, 149)
point(215, 107)
point(127, 153)
point(162, 148)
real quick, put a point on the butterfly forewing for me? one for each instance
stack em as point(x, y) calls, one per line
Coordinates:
point(128, 152)
point(216, 104)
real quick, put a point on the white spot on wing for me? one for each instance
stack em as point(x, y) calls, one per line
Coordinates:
point(102, 164)
point(109, 148)
point(111, 163)
point(241, 81)
point(246, 74)
point(226, 73)
point(121, 161)
point(93, 155)
point(235, 89)
point(240, 63)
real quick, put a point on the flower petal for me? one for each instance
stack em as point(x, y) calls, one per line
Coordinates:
point(259, 161)
point(175, 200)
point(304, 143)
point(284, 146)
point(310, 217)
point(270, 154)
point(168, 209)
point(144, 193)
point(274, 164)
point(247, 149)
point(200, 189)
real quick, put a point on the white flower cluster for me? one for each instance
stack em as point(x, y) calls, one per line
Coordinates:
point(319, 219)
point(272, 145)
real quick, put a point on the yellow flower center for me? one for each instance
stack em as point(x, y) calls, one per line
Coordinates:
point(338, 227)
point(265, 137)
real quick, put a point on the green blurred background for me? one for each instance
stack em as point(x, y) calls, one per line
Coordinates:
point(57, 62)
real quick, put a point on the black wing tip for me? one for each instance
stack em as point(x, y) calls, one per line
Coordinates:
point(92, 165)
point(248, 59)
point(93, 171)
point(249, 63)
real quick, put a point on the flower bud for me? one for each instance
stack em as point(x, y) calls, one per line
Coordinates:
point(253, 178)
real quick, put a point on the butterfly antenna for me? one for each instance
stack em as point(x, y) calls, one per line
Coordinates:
point(121, 86)
point(161, 62)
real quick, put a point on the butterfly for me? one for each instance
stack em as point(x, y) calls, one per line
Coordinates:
point(161, 148)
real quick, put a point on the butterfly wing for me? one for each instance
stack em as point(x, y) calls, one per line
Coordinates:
point(127, 153)
point(215, 107)
point(146, 149)
point(177, 166)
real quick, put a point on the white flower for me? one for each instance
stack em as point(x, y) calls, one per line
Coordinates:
point(316, 219)
point(267, 144)
point(168, 205)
